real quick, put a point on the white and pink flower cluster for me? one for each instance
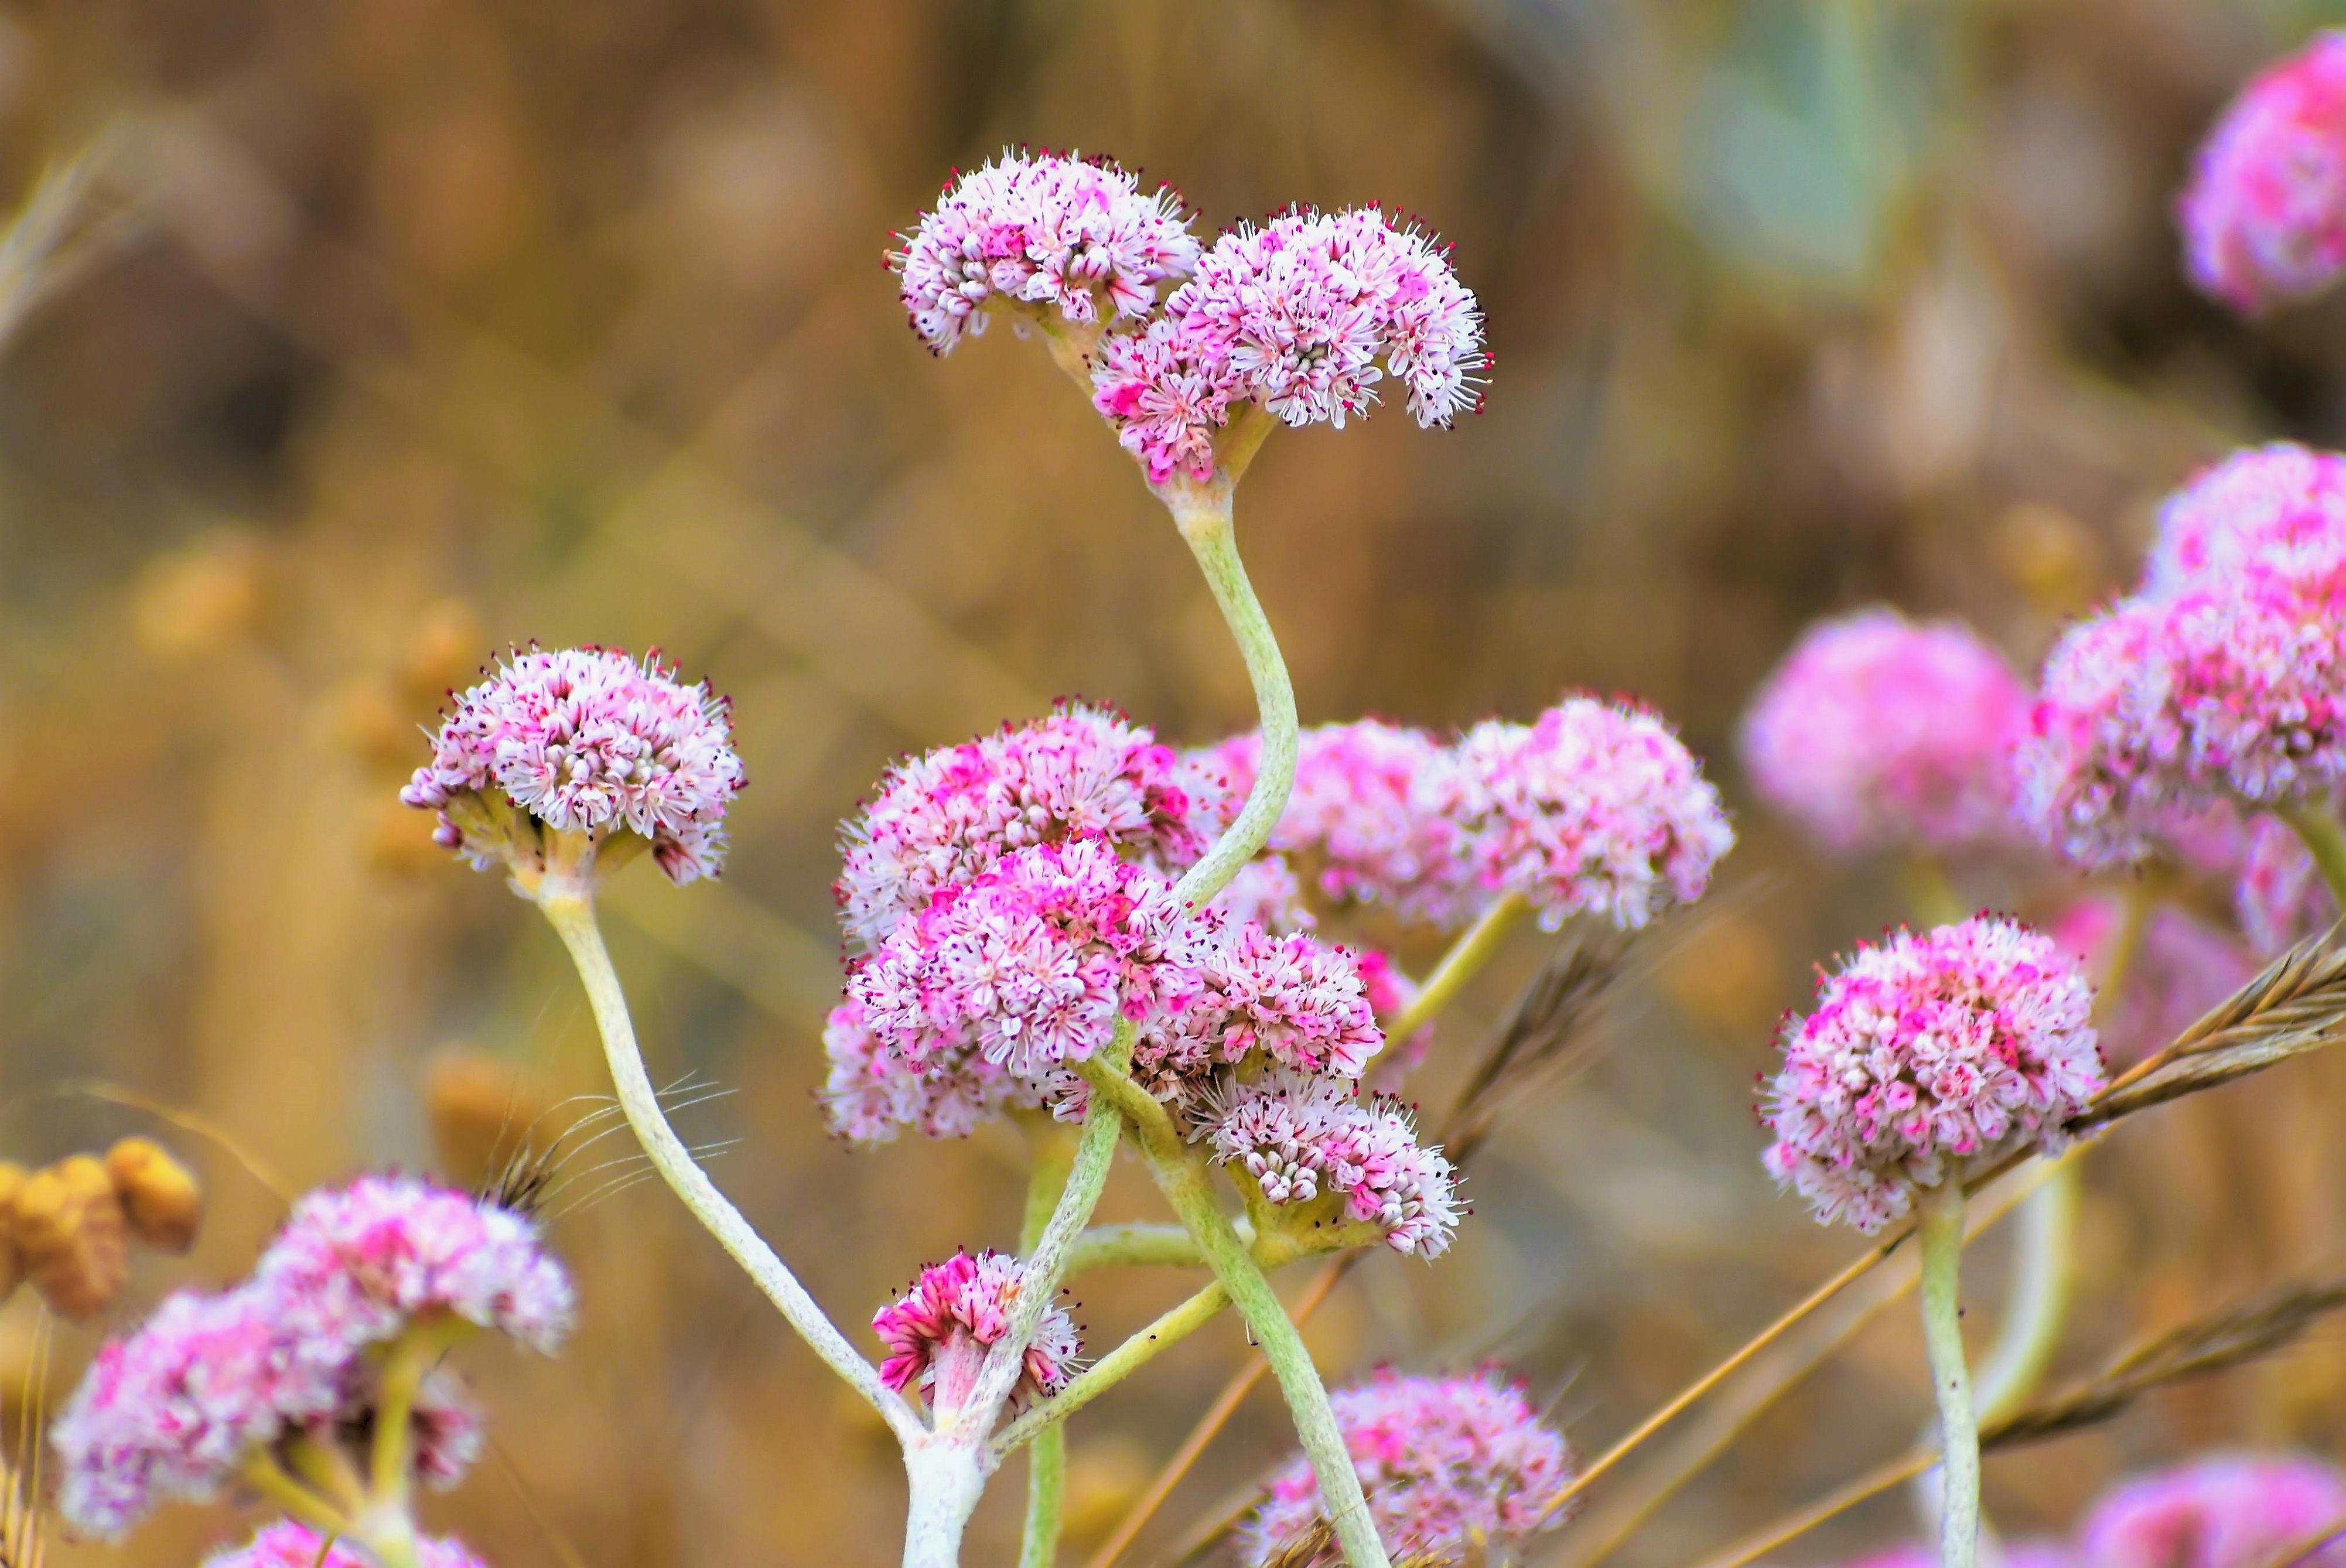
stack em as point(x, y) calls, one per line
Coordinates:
point(2264, 215)
point(172, 1411)
point(1961, 1044)
point(1878, 733)
point(938, 1332)
point(1070, 238)
point(1451, 1466)
point(1303, 316)
point(1300, 1138)
point(285, 1544)
point(2222, 680)
point(585, 741)
point(1594, 808)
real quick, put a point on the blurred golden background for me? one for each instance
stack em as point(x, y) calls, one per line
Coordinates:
point(357, 339)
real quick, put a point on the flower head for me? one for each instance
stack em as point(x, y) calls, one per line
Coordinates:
point(1031, 963)
point(1875, 732)
point(359, 1262)
point(1302, 1138)
point(937, 1333)
point(1964, 1041)
point(2264, 215)
point(1242, 993)
point(1447, 1463)
point(2279, 896)
point(874, 1092)
point(947, 817)
point(2092, 772)
point(2277, 511)
point(1594, 808)
point(583, 741)
point(285, 1544)
point(2231, 1512)
point(1303, 317)
point(2184, 967)
point(1071, 238)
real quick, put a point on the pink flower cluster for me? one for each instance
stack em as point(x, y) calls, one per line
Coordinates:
point(1963, 1042)
point(2280, 898)
point(1596, 808)
point(1237, 992)
point(2264, 215)
point(172, 1409)
point(585, 740)
point(2225, 679)
point(1448, 1464)
point(285, 1544)
point(1876, 733)
point(1304, 316)
point(2184, 967)
point(1067, 237)
point(874, 1092)
point(937, 1333)
point(1031, 963)
point(944, 818)
point(1301, 1138)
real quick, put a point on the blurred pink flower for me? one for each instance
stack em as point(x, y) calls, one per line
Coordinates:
point(2230, 1511)
point(2278, 510)
point(2279, 897)
point(1878, 733)
point(2183, 968)
point(2264, 214)
point(937, 1333)
point(285, 1544)
point(1447, 1463)
point(1963, 1042)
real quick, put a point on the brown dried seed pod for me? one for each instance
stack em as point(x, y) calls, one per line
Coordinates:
point(160, 1196)
point(74, 1239)
point(12, 1262)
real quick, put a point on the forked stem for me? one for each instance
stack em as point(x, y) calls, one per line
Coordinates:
point(572, 914)
point(1174, 1325)
point(1941, 1235)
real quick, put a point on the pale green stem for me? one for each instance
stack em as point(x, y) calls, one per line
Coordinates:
point(1940, 1233)
point(1138, 1244)
point(262, 1472)
point(1203, 513)
point(1173, 1325)
point(1464, 959)
point(412, 1355)
point(572, 913)
point(326, 1466)
point(1185, 1180)
point(2323, 836)
point(1054, 1150)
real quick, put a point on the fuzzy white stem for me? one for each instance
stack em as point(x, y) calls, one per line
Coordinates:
point(1941, 1237)
point(946, 1478)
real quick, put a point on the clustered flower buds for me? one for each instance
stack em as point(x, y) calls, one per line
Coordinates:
point(1300, 1138)
point(1961, 1043)
point(1878, 733)
point(66, 1229)
point(2264, 216)
point(1450, 1465)
point(209, 1380)
point(938, 1332)
point(561, 762)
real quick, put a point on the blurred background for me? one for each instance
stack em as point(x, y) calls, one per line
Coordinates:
point(355, 340)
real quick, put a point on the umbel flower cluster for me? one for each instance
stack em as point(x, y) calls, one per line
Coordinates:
point(334, 1339)
point(938, 1333)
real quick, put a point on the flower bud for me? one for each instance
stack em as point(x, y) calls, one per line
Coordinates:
point(72, 1234)
point(160, 1196)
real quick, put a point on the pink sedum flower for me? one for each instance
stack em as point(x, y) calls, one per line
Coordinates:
point(948, 817)
point(1070, 239)
point(2278, 510)
point(1448, 1463)
point(1961, 1044)
point(1877, 733)
point(1595, 809)
point(589, 742)
point(2231, 1512)
point(872, 1093)
point(1245, 994)
point(359, 1263)
point(1302, 1138)
point(1304, 316)
point(170, 1411)
point(285, 1544)
point(2184, 967)
point(937, 1333)
point(1031, 964)
point(2264, 215)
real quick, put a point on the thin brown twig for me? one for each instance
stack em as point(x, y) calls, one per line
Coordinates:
point(2306, 1545)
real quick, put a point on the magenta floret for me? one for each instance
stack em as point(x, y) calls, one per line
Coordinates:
point(2276, 510)
point(2230, 1511)
point(2264, 215)
point(1596, 808)
point(1238, 992)
point(937, 1332)
point(1073, 238)
point(587, 740)
point(872, 1093)
point(1876, 733)
point(1301, 1138)
point(1448, 1463)
point(1961, 1043)
point(285, 1544)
